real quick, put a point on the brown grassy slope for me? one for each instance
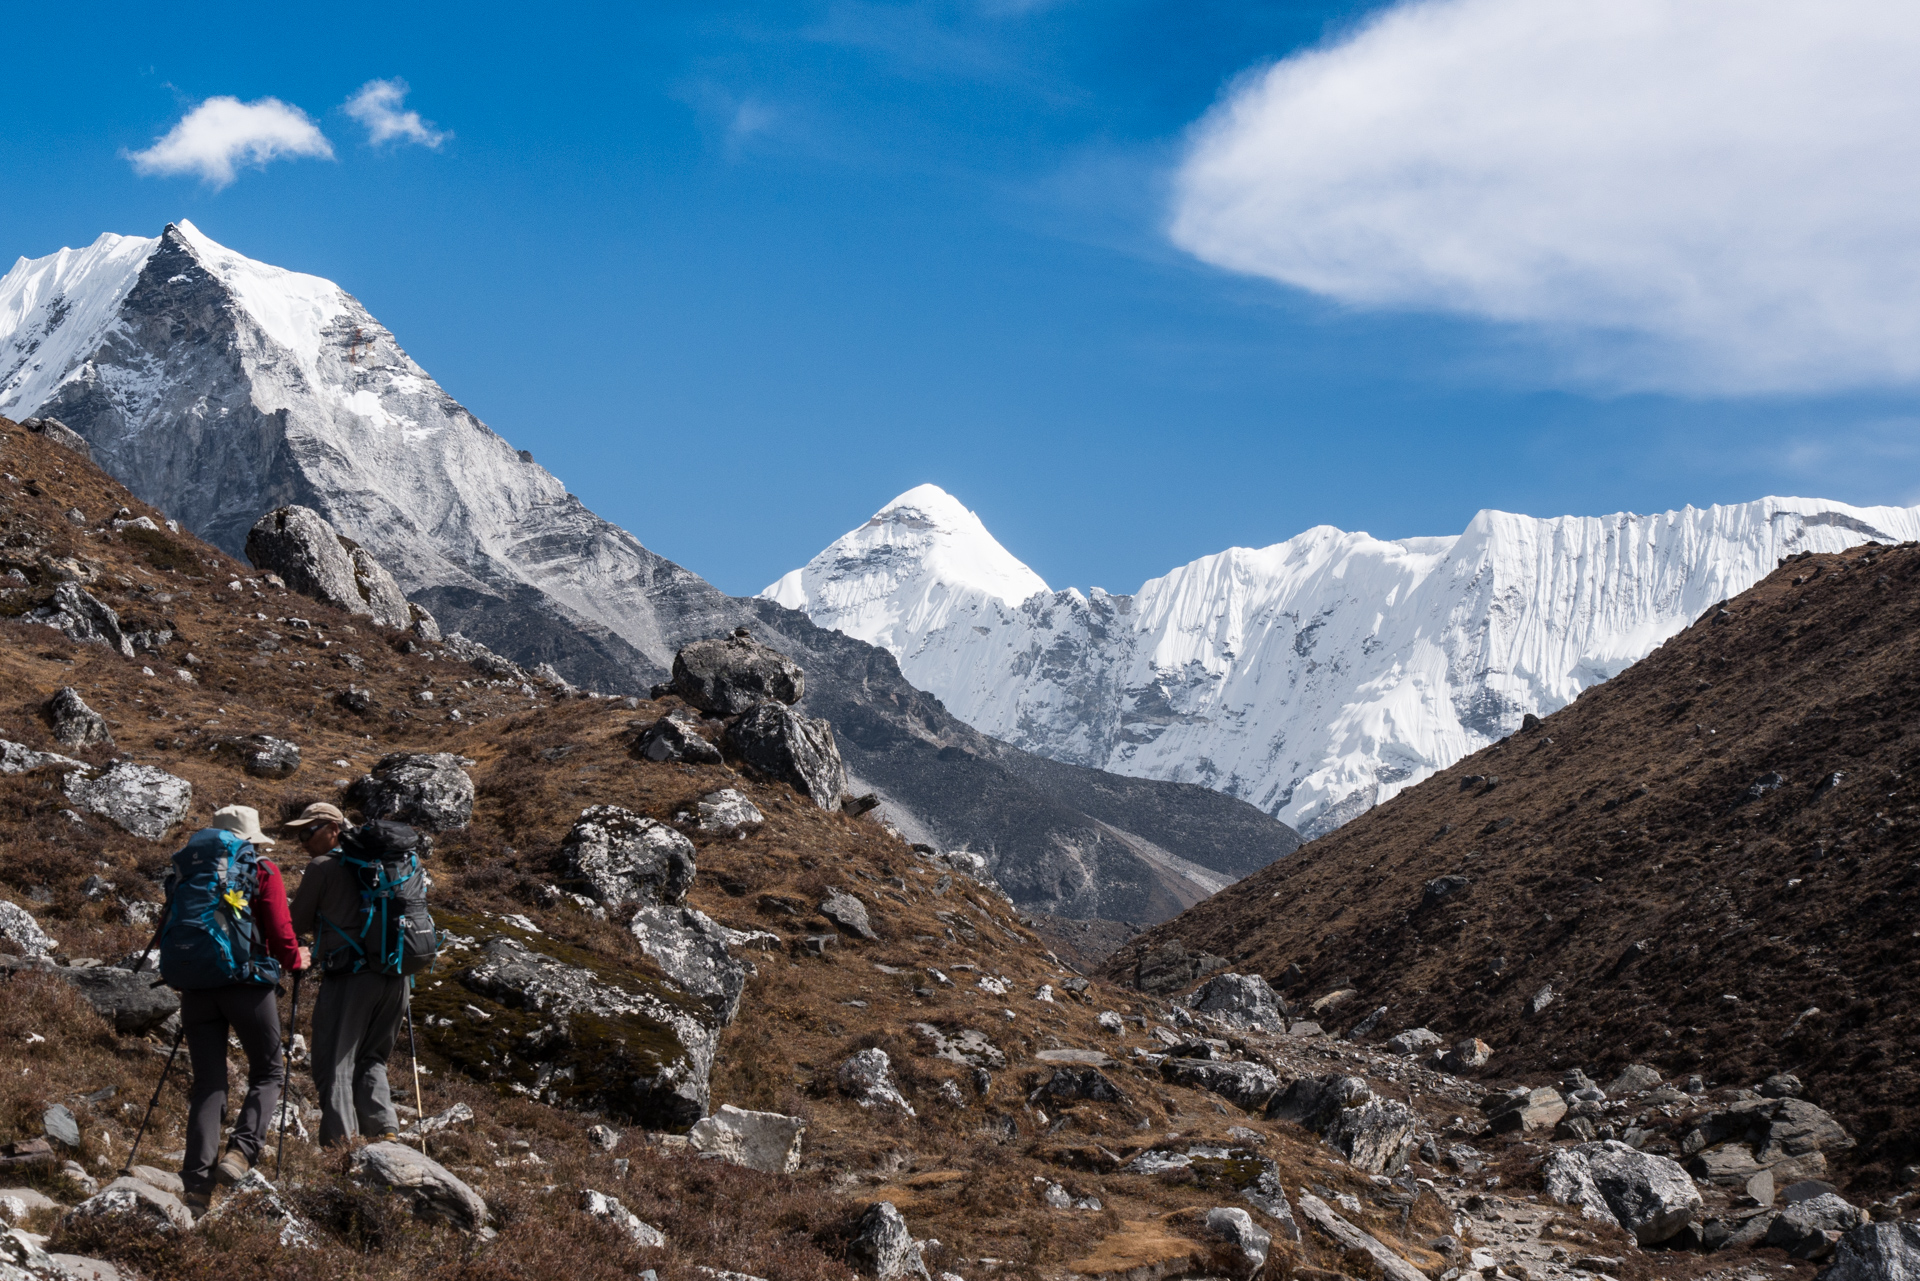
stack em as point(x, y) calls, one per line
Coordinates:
point(964, 1173)
point(1623, 819)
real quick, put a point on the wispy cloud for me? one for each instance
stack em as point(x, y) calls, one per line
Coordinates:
point(1695, 195)
point(222, 133)
point(377, 106)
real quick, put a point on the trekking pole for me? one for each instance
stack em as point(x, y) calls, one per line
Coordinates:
point(133, 1151)
point(413, 1052)
point(293, 1021)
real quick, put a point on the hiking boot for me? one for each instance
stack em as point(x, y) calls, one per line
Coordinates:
point(197, 1202)
point(232, 1168)
point(388, 1136)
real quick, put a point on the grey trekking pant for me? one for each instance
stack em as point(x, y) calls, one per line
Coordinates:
point(253, 1014)
point(356, 1021)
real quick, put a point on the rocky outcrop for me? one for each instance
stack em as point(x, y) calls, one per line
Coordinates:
point(766, 1141)
point(847, 912)
point(581, 1035)
point(74, 723)
point(1650, 1196)
point(883, 1248)
point(790, 748)
point(727, 810)
point(435, 1191)
point(608, 1209)
point(1170, 967)
point(137, 798)
point(136, 1201)
point(1789, 1136)
point(1322, 1217)
point(675, 738)
point(18, 758)
point(83, 618)
point(695, 954)
point(1245, 1085)
point(730, 675)
point(867, 1079)
point(1812, 1228)
point(625, 857)
point(18, 927)
point(1244, 1000)
point(1372, 1133)
point(299, 544)
point(1877, 1252)
point(60, 434)
point(1247, 1244)
point(1522, 1109)
point(427, 790)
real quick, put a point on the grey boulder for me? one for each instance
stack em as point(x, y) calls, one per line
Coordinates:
point(693, 951)
point(627, 858)
point(1247, 1244)
point(847, 912)
point(74, 723)
point(1239, 999)
point(1522, 1109)
point(1635, 1078)
point(765, 1141)
point(1877, 1252)
point(298, 544)
point(609, 1210)
point(1315, 1102)
point(137, 1201)
point(673, 738)
point(83, 618)
point(867, 1079)
point(18, 927)
point(727, 809)
point(1412, 1041)
point(883, 1248)
point(260, 755)
point(18, 758)
point(137, 798)
point(1245, 1085)
point(1376, 1136)
point(427, 790)
point(1812, 1228)
point(436, 1193)
point(1648, 1195)
point(383, 597)
point(1170, 967)
point(128, 1000)
point(729, 675)
point(790, 748)
point(60, 434)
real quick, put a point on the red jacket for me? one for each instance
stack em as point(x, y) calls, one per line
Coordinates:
point(270, 912)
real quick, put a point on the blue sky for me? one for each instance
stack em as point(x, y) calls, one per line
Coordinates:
point(741, 273)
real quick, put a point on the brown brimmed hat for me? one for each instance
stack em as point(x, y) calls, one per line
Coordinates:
point(318, 812)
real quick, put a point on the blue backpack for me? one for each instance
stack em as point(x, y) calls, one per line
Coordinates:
point(393, 934)
point(209, 938)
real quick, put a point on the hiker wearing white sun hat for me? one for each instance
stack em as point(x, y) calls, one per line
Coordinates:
point(225, 940)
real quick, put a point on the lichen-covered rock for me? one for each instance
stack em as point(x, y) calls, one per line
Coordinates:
point(867, 1079)
point(1076, 1084)
point(18, 927)
point(726, 809)
point(1240, 999)
point(60, 434)
point(254, 1196)
point(1247, 1243)
point(427, 790)
point(1245, 1085)
point(1811, 1229)
point(728, 675)
point(1314, 1102)
point(601, 1206)
point(569, 1028)
point(883, 1248)
point(1170, 967)
point(261, 755)
point(136, 1201)
point(1877, 1252)
point(472, 651)
point(1376, 1136)
point(792, 749)
point(627, 858)
point(695, 953)
point(137, 798)
point(1413, 1041)
point(436, 1192)
point(766, 1141)
point(968, 1047)
point(17, 758)
point(83, 618)
point(74, 723)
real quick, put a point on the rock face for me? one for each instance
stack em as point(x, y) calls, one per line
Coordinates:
point(1241, 999)
point(616, 1041)
point(74, 723)
point(84, 619)
point(727, 676)
point(794, 749)
point(626, 858)
point(299, 544)
point(138, 798)
point(261, 755)
point(1315, 1101)
point(1648, 1195)
point(766, 1141)
point(883, 1248)
point(436, 1193)
point(427, 790)
point(1877, 1252)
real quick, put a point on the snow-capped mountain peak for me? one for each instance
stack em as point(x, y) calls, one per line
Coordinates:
point(905, 571)
point(1321, 675)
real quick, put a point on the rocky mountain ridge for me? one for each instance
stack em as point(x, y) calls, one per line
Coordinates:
point(220, 388)
point(1314, 678)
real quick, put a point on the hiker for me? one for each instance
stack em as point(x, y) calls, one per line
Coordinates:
point(223, 944)
point(364, 906)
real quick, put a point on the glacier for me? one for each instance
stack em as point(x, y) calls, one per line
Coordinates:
point(1314, 678)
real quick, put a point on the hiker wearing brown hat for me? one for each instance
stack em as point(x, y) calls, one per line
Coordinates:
point(224, 941)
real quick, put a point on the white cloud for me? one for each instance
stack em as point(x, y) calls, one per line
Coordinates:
point(224, 132)
point(1693, 195)
point(377, 106)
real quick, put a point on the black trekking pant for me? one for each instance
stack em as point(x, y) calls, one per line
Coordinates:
point(254, 1015)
